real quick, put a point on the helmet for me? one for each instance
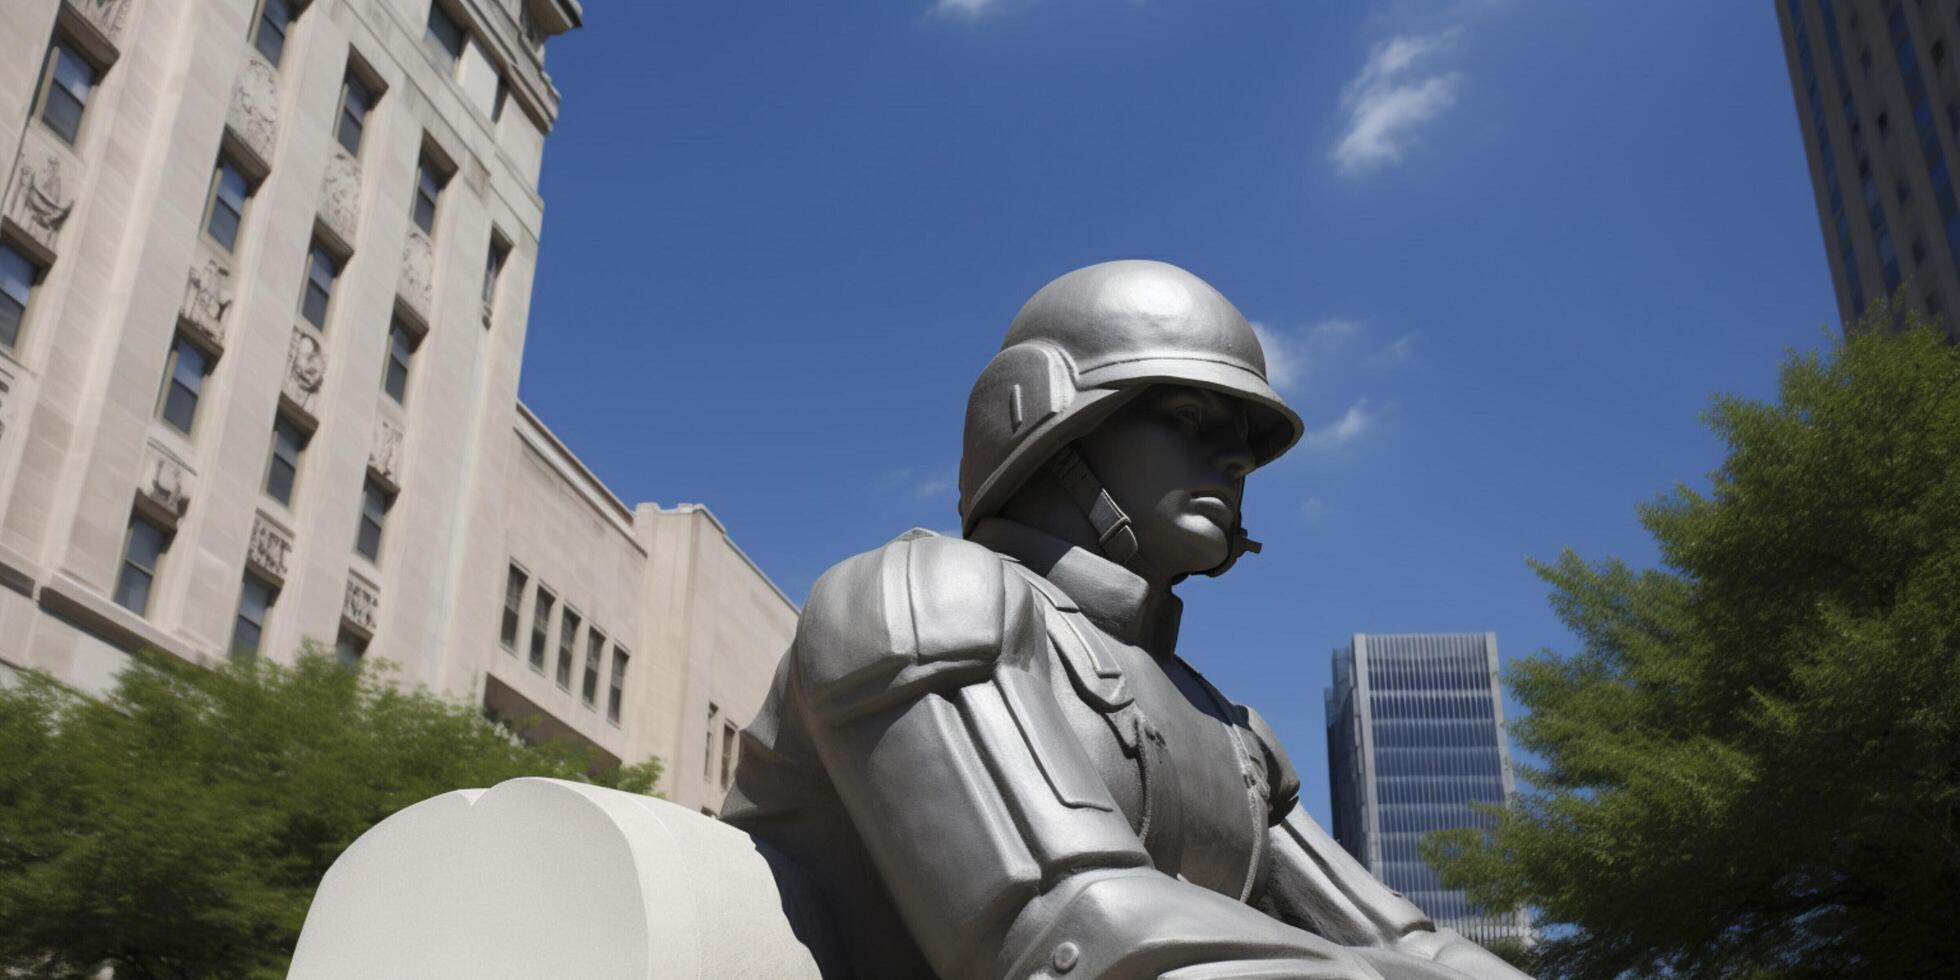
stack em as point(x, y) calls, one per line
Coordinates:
point(1089, 342)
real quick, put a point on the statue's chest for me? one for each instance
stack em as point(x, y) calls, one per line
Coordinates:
point(1168, 749)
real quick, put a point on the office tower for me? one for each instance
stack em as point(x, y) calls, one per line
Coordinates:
point(1415, 735)
point(1878, 102)
point(265, 276)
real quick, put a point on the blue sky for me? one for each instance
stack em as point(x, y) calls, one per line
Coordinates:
point(1504, 252)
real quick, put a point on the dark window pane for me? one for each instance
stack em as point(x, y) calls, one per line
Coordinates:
point(228, 205)
point(355, 100)
point(73, 74)
point(618, 685)
point(71, 79)
point(283, 470)
point(595, 644)
point(540, 623)
point(319, 286)
point(224, 225)
point(349, 649)
point(279, 481)
point(513, 605)
point(314, 307)
point(180, 408)
point(188, 367)
point(350, 133)
point(270, 35)
point(447, 33)
point(254, 602)
point(394, 374)
point(17, 276)
point(567, 640)
point(374, 511)
point(232, 188)
point(63, 114)
point(141, 553)
point(11, 312)
point(497, 103)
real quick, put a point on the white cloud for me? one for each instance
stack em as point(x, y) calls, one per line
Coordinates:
point(1398, 350)
point(1284, 359)
point(1350, 426)
point(1313, 509)
point(1394, 93)
point(928, 489)
point(1292, 354)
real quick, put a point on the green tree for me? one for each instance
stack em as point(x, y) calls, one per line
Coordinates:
point(178, 826)
point(1751, 766)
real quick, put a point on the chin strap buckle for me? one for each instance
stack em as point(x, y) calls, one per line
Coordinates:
point(1113, 532)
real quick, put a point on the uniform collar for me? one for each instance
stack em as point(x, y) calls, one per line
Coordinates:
point(1114, 598)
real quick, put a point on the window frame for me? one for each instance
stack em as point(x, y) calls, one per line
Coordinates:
point(616, 688)
point(36, 272)
point(317, 251)
point(495, 260)
point(543, 602)
point(595, 646)
point(399, 326)
point(125, 563)
point(260, 21)
point(344, 640)
point(570, 627)
point(239, 619)
point(212, 199)
point(351, 81)
point(302, 436)
point(428, 171)
point(61, 43)
point(451, 57)
point(180, 344)
point(372, 490)
point(513, 614)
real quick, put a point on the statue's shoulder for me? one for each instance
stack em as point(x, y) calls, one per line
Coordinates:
point(919, 598)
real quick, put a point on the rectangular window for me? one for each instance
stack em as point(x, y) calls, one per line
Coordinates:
point(708, 754)
point(18, 277)
point(729, 735)
point(184, 372)
point(143, 548)
point(254, 605)
point(375, 502)
point(224, 211)
point(349, 647)
point(541, 627)
point(269, 30)
point(401, 350)
point(448, 37)
point(513, 607)
point(567, 646)
point(595, 644)
point(618, 684)
point(356, 98)
point(282, 470)
point(317, 294)
point(497, 101)
point(493, 270)
point(428, 192)
point(65, 87)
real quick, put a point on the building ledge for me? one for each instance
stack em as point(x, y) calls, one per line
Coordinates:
point(81, 606)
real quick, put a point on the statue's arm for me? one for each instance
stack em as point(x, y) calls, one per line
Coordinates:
point(923, 669)
point(1314, 883)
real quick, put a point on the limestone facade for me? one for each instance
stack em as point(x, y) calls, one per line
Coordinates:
point(266, 288)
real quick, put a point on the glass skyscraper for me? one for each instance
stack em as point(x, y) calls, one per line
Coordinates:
point(1415, 735)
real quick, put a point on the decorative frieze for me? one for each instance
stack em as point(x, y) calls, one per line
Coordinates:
point(306, 370)
point(207, 297)
point(340, 195)
point(253, 117)
point(362, 605)
point(418, 273)
point(270, 546)
point(106, 16)
point(38, 198)
point(166, 485)
point(385, 453)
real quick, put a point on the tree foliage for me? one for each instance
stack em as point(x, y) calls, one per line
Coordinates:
point(178, 827)
point(1751, 767)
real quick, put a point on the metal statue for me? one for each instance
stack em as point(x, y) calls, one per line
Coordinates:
point(984, 758)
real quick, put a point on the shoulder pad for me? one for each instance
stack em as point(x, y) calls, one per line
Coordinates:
point(921, 607)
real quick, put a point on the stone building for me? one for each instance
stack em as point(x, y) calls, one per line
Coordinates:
point(265, 272)
point(1878, 103)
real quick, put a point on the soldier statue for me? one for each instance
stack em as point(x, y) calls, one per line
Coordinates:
point(983, 756)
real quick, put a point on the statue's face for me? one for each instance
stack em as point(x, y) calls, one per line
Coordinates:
point(1174, 459)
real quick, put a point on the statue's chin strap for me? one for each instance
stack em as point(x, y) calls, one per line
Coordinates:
point(1114, 534)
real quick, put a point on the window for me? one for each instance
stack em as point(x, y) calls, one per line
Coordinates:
point(254, 604)
point(729, 735)
point(401, 348)
point(18, 276)
point(224, 211)
point(349, 647)
point(708, 754)
point(288, 441)
point(428, 190)
point(568, 626)
point(447, 35)
point(375, 502)
point(618, 685)
point(269, 29)
point(493, 270)
point(184, 372)
point(595, 644)
point(66, 84)
point(513, 607)
point(317, 294)
point(143, 548)
point(540, 628)
point(356, 98)
point(497, 101)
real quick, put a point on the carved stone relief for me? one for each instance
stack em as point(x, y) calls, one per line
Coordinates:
point(37, 199)
point(306, 370)
point(166, 483)
point(340, 194)
point(385, 453)
point(362, 604)
point(269, 548)
point(105, 15)
point(207, 296)
point(254, 112)
point(418, 272)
